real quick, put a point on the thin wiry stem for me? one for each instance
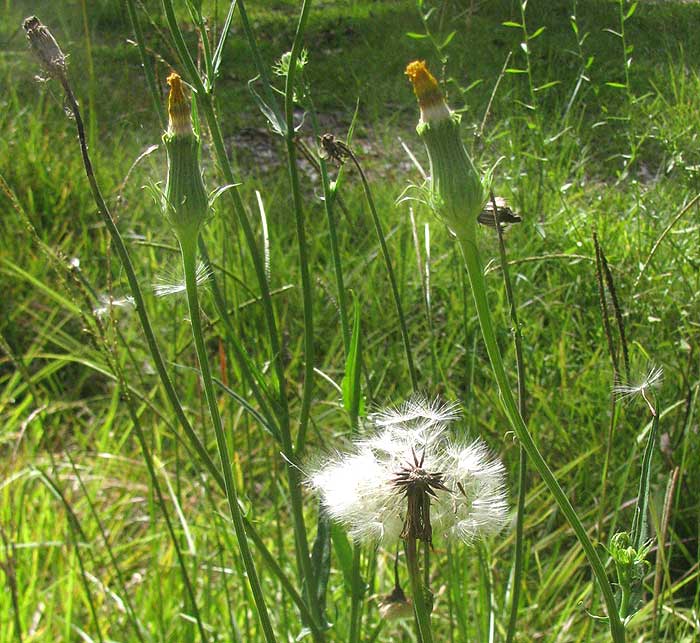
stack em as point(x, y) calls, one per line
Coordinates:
point(522, 408)
point(189, 261)
point(150, 78)
point(389, 270)
point(303, 554)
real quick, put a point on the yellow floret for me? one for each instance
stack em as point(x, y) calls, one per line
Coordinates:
point(425, 85)
point(178, 107)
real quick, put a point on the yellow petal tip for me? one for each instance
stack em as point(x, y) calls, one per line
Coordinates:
point(178, 107)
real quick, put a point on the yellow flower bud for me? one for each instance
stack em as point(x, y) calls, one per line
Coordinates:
point(186, 202)
point(179, 121)
point(458, 194)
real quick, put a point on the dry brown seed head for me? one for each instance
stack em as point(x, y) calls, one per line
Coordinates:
point(45, 47)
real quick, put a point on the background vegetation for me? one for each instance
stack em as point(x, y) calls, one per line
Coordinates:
point(592, 109)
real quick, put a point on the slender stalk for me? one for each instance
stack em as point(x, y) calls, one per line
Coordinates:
point(299, 219)
point(189, 262)
point(234, 341)
point(329, 197)
point(522, 460)
point(390, 272)
point(302, 546)
point(466, 238)
point(147, 70)
point(420, 608)
point(335, 254)
point(356, 596)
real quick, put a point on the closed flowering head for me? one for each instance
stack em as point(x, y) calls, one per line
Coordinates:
point(186, 204)
point(457, 193)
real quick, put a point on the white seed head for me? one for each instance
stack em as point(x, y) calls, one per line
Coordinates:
point(365, 489)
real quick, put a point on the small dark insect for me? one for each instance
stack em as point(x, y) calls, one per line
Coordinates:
point(333, 149)
point(505, 214)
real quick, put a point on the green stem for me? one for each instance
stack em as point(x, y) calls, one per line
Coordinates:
point(625, 596)
point(418, 591)
point(301, 235)
point(466, 238)
point(522, 460)
point(260, 66)
point(302, 546)
point(232, 337)
point(147, 69)
point(390, 273)
point(189, 261)
point(329, 196)
point(356, 597)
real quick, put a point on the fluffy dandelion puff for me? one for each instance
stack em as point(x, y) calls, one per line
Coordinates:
point(379, 489)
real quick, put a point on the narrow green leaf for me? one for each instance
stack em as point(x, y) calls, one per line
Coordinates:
point(547, 85)
point(416, 36)
point(271, 113)
point(515, 25)
point(448, 39)
point(537, 33)
point(218, 53)
point(631, 11)
point(641, 510)
point(351, 380)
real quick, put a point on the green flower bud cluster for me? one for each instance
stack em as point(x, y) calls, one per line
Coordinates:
point(631, 565)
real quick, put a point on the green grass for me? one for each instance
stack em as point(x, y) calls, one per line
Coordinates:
point(622, 161)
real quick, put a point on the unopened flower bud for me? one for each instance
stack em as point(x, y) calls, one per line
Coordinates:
point(457, 190)
point(186, 202)
point(179, 113)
